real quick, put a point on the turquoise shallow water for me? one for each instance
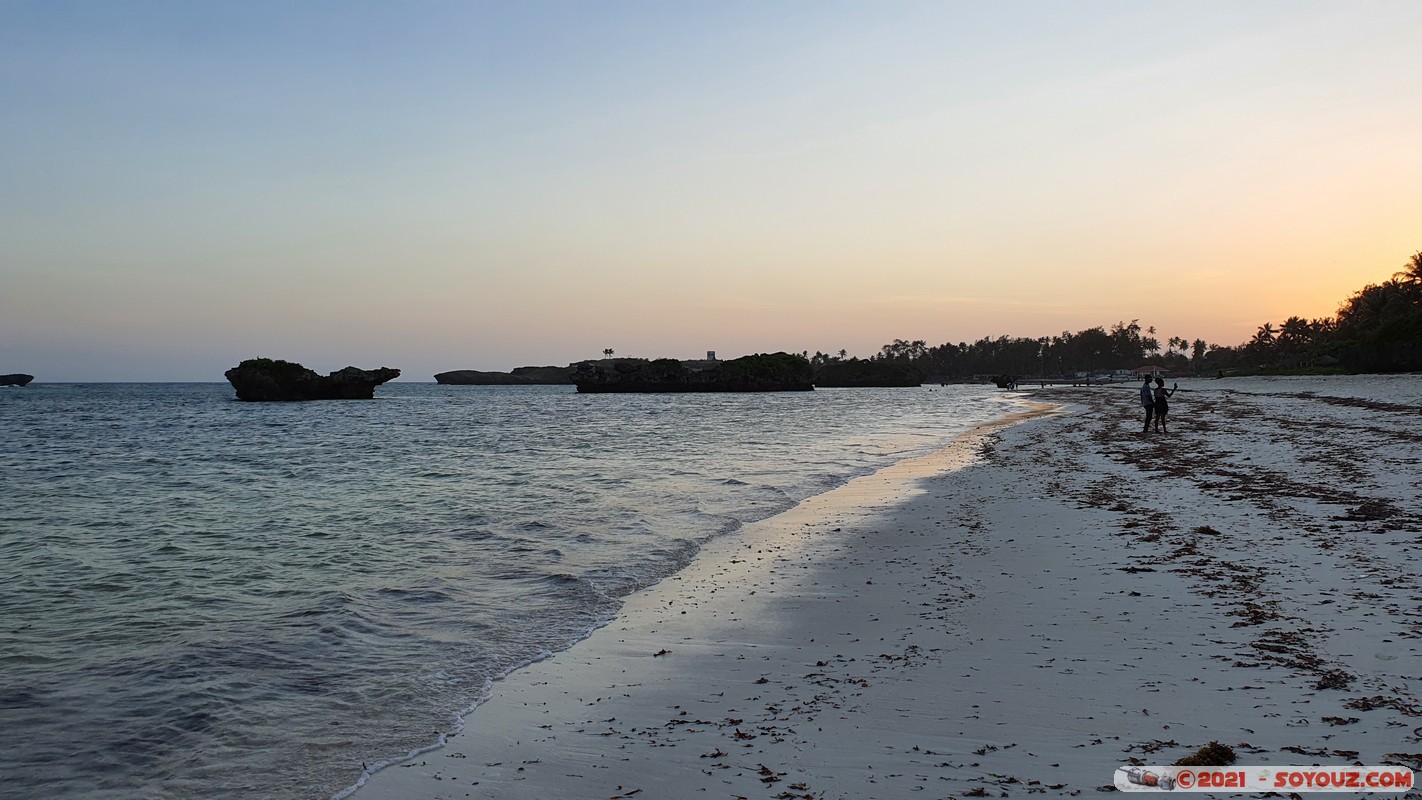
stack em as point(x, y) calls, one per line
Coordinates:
point(207, 598)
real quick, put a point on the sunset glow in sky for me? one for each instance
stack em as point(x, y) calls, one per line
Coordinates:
point(467, 185)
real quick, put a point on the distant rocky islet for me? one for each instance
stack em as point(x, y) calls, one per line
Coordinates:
point(520, 376)
point(274, 380)
point(862, 373)
point(773, 372)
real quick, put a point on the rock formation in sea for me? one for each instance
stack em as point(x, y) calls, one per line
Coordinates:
point(774, 372)
point(16, 379)
point(264, 379)
point(855, 372)
point(520, 376)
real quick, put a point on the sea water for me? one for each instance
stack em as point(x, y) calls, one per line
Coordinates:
point(201, 597)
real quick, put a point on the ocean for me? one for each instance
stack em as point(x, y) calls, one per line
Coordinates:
point(201, 597)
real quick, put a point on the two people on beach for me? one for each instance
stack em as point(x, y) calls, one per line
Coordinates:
point(1156, 402)
point(1162, 404)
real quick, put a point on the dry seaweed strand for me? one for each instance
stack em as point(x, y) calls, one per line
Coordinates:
point(1213, 754)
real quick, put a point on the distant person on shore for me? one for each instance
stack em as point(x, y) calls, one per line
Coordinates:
point(1147, 400)
point(1162, 404)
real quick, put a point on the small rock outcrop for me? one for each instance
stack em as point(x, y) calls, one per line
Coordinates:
point(775, 372)
point(474, 377)
point(520, 376)
point(263, 379)
point(16, 379)
point(855, 372)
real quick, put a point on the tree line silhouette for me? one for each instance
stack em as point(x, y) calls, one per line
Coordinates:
point(1377, 329)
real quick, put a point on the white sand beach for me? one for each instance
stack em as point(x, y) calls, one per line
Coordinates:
point(1020, 614)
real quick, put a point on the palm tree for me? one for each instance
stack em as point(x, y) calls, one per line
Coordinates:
point(607, 353)
point(1361, 311)
point(1294, 337)
point(1199, 346)
point(1410, 279)
point(1295, 329)
point(1411, 271)
point(1262, 345)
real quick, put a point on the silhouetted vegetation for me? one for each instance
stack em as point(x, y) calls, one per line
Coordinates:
point(856, 372)
point(1378, 329)
point(762, 372)
point(769, 368)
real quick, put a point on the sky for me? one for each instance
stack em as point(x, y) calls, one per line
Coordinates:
point(434, 185)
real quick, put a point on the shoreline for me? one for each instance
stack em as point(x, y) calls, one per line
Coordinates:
point(1078, 598)
point(884, 486)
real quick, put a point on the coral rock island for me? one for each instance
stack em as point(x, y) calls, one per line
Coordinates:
point(856, 373)
point(262, 379)
point(16, 379)
point(775, 372)
point(521, 376)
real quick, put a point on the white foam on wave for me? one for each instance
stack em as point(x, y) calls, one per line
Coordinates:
point(459, 717)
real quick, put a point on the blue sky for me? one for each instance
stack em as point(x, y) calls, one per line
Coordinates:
point(437, 185)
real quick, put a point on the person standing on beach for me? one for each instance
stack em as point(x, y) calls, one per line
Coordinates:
point(1162, 406)
point(1147, 400)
